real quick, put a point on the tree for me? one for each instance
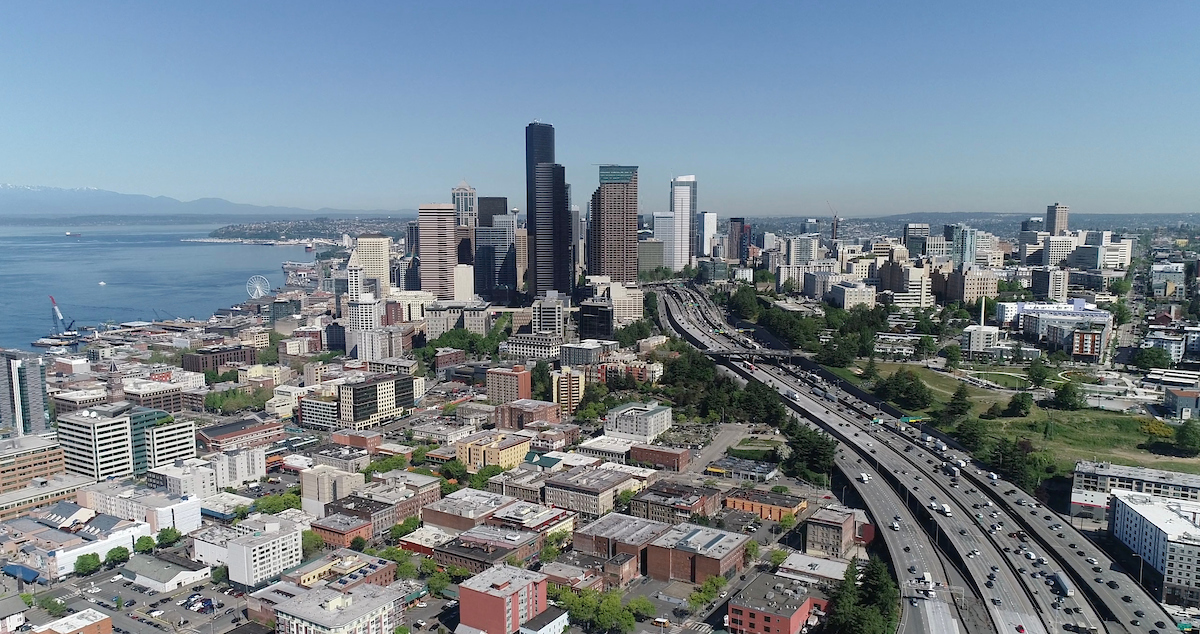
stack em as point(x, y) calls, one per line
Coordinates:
point(879, 591)
point(1121, 313)
point(1058, 357)
point(144, 544)
point(358, 543)
point(220, 574)
point(1187, 437)
point(429, 567)
point(1037, 373)
point(752, 551)
point(402, 629)
point(169, 536)
point(437, 583)
point(641, 607)
point(624, 497)
point(780, 489)
point(271, 504)
point(55, 607)
point(87, 564)
point(972, 433)
point(118, 555)
point(744, 302)
point(407, 570)
point(454, 470)
point(1020, 405)
point(310, 543)
point(541, 381)
point(924, 347)
point(1068, 396)
point(1147, 358)
point(953, 354)
point(1120, 287)
point(409, 525)
point(993, 412)
point(480, 480)
point(871, 372)
point(960, 403)
point(787, 522)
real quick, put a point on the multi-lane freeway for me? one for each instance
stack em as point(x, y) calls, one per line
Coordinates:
point(1019, 592)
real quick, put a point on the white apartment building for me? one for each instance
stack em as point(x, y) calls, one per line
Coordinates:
point(1165, 533)
point(130, 501)
point(707, 233)
point(802, 249)
point(976, 339)
point(256, 550)
point(847, 295)
point(169, 442)
point(322, 484)
point(96, 446)
point(1175, 345)
point(364, 609)
point(532, 346)
point(1093, 483)
point(194, 477)
point(240, 466)
point(550, 314)
point(374, 251)
point(641, 422)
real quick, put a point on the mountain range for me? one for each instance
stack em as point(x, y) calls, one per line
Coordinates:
point(32, 203)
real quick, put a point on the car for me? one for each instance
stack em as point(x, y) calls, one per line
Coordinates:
point(896, 518)
point(997, 602)
point(198, 588)
point(907, 549)
point(115, 579)
point(962, 531)
point(1047, 517)
point(1135, 622)
point(995, 568)
point(130, 603)
point(1097, 569)
point(1127, 599)
point(157, 613)
point(236, 620)
point(912, 601)
point(1072, 546)
point(912, 570)
point(1159, 624)
point(420, 624)
point(451, 604)
point(1092, 560)
point(1139, 613)
point(1060, 536)
point(989, 583)
point(1113, 584)
point(1021, 570)
point(229, 611)
point(1099, 580)
point(992, 576)
point(1021, 628)
point(1080, 553)
point(422, 604)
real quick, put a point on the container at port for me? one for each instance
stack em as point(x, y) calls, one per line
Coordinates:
point(1064, 585)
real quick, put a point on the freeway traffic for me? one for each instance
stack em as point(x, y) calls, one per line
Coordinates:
point(1125, 603)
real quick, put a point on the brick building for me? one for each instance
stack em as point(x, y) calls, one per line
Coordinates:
point(358, 438)
point(339, 530)
point(617, 533)
point(668, 458)
point(692, 553)
point(243, 434)
point(771, 604)
point(505, 385)
point(829, 532)
point(672, 502)
point(344, 569)
point(526, 412)
point(502, 599)
point(768, 506)
point(212, 358)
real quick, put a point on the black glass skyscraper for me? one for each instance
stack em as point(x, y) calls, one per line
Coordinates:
point(548, 214)
point(489, 207)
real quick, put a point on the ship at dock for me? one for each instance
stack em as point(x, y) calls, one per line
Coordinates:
point(63, 336)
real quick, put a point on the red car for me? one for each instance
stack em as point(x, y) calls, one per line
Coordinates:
point(1020, 628)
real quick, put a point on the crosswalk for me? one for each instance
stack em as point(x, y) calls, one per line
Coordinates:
point(692, 626)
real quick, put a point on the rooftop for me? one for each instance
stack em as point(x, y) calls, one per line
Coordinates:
point(22, 444)
point(729, 463)
point(155, 568)
point(429, 537)
point(1108, 469)
point(625, 529)
point(237, 427)
point(540, 621)
point(73, 622)
point(339, 523)
point(502, 580)
point(588, 480)
point(673, 494)
point(1171, 516)
point(765, 497)
point(332, 609)
point(608, 444)
point(470, 503)
point(702, 540)
point(774, 594)
point(800, 564)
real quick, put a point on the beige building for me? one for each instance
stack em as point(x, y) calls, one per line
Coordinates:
point(375, 257)
point(567, 388)
point(587, 491)
point(492, 448)
point(830, 533)
point(323, 484)
point(438, 248)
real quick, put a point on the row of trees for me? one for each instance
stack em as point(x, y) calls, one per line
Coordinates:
point(603, 612)
point(871, 608)
point(236, 400)
point(91, 563)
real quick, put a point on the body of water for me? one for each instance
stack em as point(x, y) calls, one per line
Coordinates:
point(148, 274)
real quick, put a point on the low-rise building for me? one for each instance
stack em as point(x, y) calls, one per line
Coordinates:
point(482, 547)
point(164, 572)
point(607, 449)
point(692, 553)
point(256, 550)
point(772, 604)
point(340, 530)
point(524, 484)
point(829, 533)
point(667, 458)
point(589, 492)
point(1094, 482)
point(813, 571)
point(673, 502)
point(1165, 534)
point(501, 599)
point(127, 500)
point(86, 621)
point(442, 433)
point(464, 509)
point(492, 448)
point(525, 412)
point(47, 542)
point(639, 422)
point(617, 533)
point(379, 513)
point(242, 434)
point(768, 506)
point(534, 518)
point(343, 569)
point(25, 458)
point(365, 608)
point(342, 457)
point(1182, 404)
point(742, 469)
point(424, 540)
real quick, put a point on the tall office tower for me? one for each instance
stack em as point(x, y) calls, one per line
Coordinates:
point(464, 244)
point(522, 244)
point(354, 278)
point(612, 239)
point(708, 233)
point(549, 216)
point(490, 207)
point(1056, 219)
point(375, 255)
point(912, 230)
point(412, 238)
point(579, 240)
point(665, 233)
point(734, 249)
point(496, 260)
point(833, 230)
point(439, 252)
point(24, 407)
point(465, 206)
point(746, 242)
point(802, 249)
point(961, 239)
point(363, 308)
point(683, 205)
point(1035, 223)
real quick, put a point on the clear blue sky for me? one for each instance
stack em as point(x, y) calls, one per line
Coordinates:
point(776, 107)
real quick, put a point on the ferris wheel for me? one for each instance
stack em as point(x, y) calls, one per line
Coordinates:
point(257, 286)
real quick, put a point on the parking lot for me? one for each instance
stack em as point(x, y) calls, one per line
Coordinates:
point(99, 590)
point(436, 612)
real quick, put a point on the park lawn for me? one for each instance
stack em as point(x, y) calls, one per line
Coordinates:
point(943, 386)
point(846, 373)
point(1005, 380)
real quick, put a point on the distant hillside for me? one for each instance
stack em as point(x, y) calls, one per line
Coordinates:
point(27, 205)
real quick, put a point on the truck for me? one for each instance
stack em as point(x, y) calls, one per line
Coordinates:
point(946, 510)
point(950, 469)
point(992, 475)
point(830, 397)
point(927, 578)
point(940, 446)
point(793, 395)
point(1064, 586)
point(962, 464)
point(864, 477)
point(895, 526)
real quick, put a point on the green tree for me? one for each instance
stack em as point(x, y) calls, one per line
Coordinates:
point(1037, 372)
point(54, 606)
point(611, 616)
point(541, 381)
point(1068, 396)
point(168, 536)
point(953, 354)
point(1058, 357)
point(752, 550)
point(1020, 405)
point(87, 564)
point(777, 557)
point(1120, 287)
point(438, 582)
point(409, 525)
point(1187, 437)
point(972, 433)
point(118, 555)
point(780, 489)
point(480, 480)
point(624, 497)
point(144, 544)
point(1147, 358)
point(1121, 313)
point(271, 504)
point(454, 470)
point(787, 522)
point(960, 403)
point(310, 543)
point(879, 589)
point(744, 302)
point(407, 570)
point(871, 372)
point(27, 598)
point(924, 347)
point(641, 607)
point(429, 567)
point(220, 574)
point(358, 543)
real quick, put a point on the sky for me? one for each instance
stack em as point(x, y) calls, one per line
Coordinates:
point(779, 109)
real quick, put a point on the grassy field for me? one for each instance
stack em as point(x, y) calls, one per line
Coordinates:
point(1069, 437)
point(1004, 380)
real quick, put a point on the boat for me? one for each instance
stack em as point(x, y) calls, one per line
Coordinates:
point(48, 342)
point(74, 235)
point(103, 283)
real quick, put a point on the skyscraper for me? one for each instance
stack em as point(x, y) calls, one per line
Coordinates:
point(1056, 219)
point(733, 250)
point(465, 207)
point(375, 255)
point(490, 207)
point(24, 408)
point(549, 216)
point(665, 233)
point(961, 239)
point(915, 230)
point(439, 252)
point(496, 260)
point(683, 205)
point(708, 233)
point(612, 232)
point(412, 238)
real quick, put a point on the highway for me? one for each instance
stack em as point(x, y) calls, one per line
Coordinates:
point(911, 548)
point(1124, 605)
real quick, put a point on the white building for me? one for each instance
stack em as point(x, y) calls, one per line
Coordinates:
point(169, 442)
point(976, 339)
point(1165, 534)
point(465, 204)
point(131, 501)
point(161, 575)
point(532, 346)
point(802, 249)
point(1174, 344)
point(707, 233)
point(96, 446)
point(847, 295)
point(550, 314)
point(194, 477)
point(640, 422)
point(464, 282)
point(256, 550)
point(367, 608)
point(240, 466)
point(374, 251)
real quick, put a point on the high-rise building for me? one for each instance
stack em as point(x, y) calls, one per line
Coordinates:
point(412, 238)
point(707, 234)
point(802, 249)
point(734, 249)
point(496, 260)
point(612, 243)
point(549, 216)
point(439, 254)
point(374, 255)
point(1056, 219)
point(24, 407)
point(961, 240)
point(490, 207)
point(665, 233)
point(522, 243)
point(1035, 223)
point(465, 205)
point(913, 229)
point(683, 207)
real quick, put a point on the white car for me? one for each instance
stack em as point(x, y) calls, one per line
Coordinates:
point(1092, 560)
point(157, 613)
point(116, 578)
point(422, 604)
point(420, 624)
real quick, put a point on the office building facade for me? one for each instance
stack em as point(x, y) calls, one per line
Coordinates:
point(551, 262)
point(465, 205)
point(612, 230)
point(438, 252)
